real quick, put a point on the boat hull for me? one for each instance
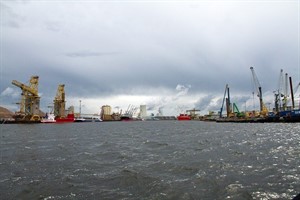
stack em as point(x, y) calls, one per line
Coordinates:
point(50, 118)
point(183, 117)
point(69, 119)
point(48, 121)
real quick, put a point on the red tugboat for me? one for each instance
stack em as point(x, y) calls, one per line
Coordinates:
point(183, 117)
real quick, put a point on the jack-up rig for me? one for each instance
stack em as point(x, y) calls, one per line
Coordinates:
point(30, 101)
point(59, 101)
point(60, 106)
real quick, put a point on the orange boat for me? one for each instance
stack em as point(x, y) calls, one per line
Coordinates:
point(183, 117)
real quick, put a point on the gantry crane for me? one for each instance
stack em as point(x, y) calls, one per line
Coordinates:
point(192, 112)
point(263, 109)
point(59, 101)
point(30, 102)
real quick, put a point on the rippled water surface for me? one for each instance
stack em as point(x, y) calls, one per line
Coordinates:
point(150, 160)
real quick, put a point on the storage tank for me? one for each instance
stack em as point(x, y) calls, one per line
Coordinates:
point(106, 113)
point(106, 110)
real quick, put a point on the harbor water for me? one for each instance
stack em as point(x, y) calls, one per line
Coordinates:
point(150, 160)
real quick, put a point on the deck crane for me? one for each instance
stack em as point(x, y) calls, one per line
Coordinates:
point(263, 108)
point(221, 110)
point(285, 97)
point(279, 94)
point(30, 102)
point(293, 91)
point(228, 106)
point(59, 101)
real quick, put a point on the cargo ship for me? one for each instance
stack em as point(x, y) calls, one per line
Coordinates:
point(126, 117)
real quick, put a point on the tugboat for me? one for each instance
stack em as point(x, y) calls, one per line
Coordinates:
point(183, 117)
point(49, 118)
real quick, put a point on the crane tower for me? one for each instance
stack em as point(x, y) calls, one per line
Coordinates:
point(59, 101)
point(30, 101)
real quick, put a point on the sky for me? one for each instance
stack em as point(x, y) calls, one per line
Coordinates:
point(168, 55)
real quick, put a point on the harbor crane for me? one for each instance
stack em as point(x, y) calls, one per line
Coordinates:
point(263, 108)
point(228, 106)
point(59, 101)
point(281, 97)
point(192, 113)
point(221, 110)
point(231, 108)
point(30, 101)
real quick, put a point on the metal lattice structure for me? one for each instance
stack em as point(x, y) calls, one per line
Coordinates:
point(30, 101)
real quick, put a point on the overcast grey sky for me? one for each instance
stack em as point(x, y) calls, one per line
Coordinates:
point(175, 55)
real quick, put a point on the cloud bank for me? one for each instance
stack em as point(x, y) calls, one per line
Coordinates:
point(106, 50)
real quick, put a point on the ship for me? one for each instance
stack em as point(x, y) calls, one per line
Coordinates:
point(80, 119)
point(68, 118)
point(282, 112)
point(183, 117)
point(87, 119)
point(49, 118)
point(290, 115)
point(126, 117)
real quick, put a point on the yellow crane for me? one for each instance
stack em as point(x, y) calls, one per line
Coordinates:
point(30, 101)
